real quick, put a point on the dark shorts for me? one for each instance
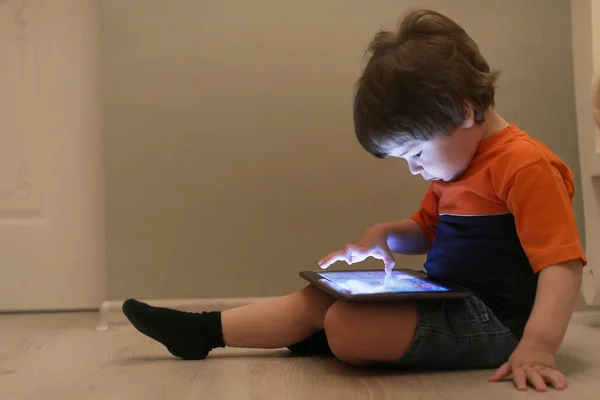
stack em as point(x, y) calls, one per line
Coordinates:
point(458, 334)
point(450, 334)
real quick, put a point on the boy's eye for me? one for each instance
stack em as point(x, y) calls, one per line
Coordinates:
point(418, 154)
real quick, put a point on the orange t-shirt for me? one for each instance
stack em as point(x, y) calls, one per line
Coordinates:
point(505, 219)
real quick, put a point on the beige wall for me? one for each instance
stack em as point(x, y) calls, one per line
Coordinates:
point(231, 160)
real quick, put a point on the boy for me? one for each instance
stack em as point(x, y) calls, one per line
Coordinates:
point(497, 219)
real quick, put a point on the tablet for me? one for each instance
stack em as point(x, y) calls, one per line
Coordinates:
point(404, 284)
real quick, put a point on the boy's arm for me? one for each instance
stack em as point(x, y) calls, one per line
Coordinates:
point(533, 360)
point(406, 237)
point(556, 297)
point(540, 195)
point(380, 240)
point(415, 235)
point(412, 235)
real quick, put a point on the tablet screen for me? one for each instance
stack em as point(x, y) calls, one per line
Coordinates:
point(363, 282)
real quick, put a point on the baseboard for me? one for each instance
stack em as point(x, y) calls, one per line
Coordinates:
point(111, 314)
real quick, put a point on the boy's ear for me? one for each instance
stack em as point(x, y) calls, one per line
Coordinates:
point(469, 120)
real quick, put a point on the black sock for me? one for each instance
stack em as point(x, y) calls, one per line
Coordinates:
point(190, 336)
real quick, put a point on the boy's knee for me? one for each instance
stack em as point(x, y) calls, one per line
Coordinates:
point(361, 334)
point(338, 328)
point(317, 302)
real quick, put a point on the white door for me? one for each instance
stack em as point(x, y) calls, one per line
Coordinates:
point(51, 190)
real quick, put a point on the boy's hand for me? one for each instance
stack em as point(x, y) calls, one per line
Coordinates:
point(533, 360)
point(372, 244)
point(532, 365)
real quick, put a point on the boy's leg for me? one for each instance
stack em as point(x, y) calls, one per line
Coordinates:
point(269, 324)
point(367, 333)
point(432, 334)
point(277, 322)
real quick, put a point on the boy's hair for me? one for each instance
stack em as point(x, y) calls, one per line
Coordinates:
point(417, 82)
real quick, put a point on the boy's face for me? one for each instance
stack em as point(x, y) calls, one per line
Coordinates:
point(442, 158)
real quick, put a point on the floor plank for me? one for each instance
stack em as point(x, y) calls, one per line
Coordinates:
point(60, 356)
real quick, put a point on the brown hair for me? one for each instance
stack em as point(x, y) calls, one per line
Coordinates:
point(417, 81)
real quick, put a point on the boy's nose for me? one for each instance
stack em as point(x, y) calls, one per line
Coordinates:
point(415, 169)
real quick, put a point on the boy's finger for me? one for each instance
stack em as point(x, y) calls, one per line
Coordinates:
point(326, 261)
point(389, 267)
point(350, 254)
point(380, 255)
point(501, 373)
point(519, 378)
point(355, 253)
point(534, 378)
point(388, 260)
point(554, 378)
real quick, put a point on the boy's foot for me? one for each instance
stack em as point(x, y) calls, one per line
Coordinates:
point(190, 336)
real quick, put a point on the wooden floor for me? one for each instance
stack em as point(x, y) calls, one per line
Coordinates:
point(60, 356)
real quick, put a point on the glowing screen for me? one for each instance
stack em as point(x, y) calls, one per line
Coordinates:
point(361, 282)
